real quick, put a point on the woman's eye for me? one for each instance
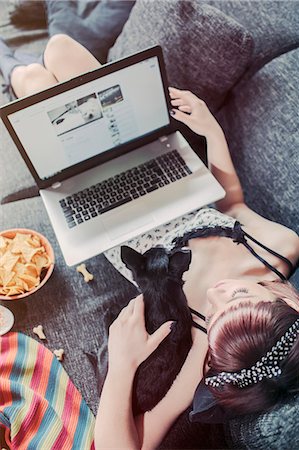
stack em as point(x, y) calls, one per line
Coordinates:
point(237, 291)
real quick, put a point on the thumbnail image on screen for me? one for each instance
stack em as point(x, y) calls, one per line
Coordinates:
point(75, 114)
point(110, 96)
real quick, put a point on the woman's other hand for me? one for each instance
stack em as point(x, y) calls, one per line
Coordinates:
point(129, 343)
point(193, 112)
point(196, 115)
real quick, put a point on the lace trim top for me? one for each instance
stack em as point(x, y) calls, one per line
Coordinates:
point(203, 223)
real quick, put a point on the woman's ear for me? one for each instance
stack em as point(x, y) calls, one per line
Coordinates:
point(291, 303)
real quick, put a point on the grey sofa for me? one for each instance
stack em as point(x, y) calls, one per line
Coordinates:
point(242, 57)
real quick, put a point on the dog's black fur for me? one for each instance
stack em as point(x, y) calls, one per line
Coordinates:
point(159, 277)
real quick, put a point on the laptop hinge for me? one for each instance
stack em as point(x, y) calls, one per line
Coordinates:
point(56, 185)
point(163, 138)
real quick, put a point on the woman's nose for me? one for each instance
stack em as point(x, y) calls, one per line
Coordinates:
point(216, 297)
point(213, 296)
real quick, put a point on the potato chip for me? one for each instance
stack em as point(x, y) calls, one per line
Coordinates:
point(8, 261)
point(18, 242)
point(6, 276)
point(31, 281)
point(28, 252)
point(2, 243)
point(22, 261)
point(41, 260)
point(32, 269)
point(34, 241)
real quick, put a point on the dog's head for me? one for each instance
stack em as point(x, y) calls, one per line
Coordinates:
point(156, 264)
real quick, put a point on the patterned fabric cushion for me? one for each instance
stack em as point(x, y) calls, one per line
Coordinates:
point(262, 125)
point(205, 50)
point(39, 405)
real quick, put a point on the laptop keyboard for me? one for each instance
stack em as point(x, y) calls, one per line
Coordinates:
point(123, 188)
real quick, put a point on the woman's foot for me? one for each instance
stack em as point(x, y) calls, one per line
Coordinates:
point(7, 61)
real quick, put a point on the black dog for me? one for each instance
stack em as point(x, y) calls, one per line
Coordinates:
point(159, 276)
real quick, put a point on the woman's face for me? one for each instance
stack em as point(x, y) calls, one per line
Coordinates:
point(227, 293)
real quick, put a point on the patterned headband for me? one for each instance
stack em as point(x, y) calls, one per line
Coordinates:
point(266, 367)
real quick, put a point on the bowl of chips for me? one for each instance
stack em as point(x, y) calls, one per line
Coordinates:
point(26, 263)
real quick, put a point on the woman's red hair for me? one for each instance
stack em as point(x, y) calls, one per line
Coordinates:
point(241, 336)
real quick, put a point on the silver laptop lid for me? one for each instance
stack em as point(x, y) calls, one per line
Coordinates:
point(90, 119)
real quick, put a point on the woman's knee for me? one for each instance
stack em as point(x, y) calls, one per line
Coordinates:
point(33, 78)
point(32, 72)
point(58, 48)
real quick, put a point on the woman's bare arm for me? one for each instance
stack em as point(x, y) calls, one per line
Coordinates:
point(195, 114)
point(128, 346)
point(115, 425)
point(153, 425)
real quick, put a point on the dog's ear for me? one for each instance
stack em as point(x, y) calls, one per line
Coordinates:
point(132, 259)
point(180, 262)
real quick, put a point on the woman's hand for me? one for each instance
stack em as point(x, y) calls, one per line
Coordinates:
point(193, 112)
point(196, 115)
point(129, 343)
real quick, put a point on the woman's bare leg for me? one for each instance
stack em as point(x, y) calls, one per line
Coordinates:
point(26, 80)
point(64, 58)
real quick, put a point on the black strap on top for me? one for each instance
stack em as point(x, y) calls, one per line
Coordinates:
point(239, 237)
point(196, 313)
point(195, 324)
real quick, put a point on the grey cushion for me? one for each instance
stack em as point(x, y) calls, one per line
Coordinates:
point(262, 126)
point(274, 25)
point(275, 430)
point(14, 174)
point(205, 50)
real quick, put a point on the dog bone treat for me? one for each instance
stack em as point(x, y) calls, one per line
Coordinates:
point(59, 354)
point(87, 276)
point(39, 332)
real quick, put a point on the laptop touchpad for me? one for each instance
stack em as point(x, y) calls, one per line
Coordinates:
point(125, 220)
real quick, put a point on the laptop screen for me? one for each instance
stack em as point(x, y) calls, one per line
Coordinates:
point(80, 123)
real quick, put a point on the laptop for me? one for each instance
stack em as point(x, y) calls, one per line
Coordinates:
point(107, 157)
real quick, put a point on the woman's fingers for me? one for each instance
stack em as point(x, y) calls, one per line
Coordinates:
point(157, 337)
point(174, 92)
point(139, 306)
point(127, 311)
point(177, 102)
point(181, 104)
point(185, 108)
point(186, 97)
point(181, 116)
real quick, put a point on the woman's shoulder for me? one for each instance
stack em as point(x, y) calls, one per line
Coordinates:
point(274, 235)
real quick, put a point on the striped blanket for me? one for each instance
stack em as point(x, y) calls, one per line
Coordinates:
point(40, 408)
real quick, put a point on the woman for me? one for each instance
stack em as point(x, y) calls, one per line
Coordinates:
point(246, 319)
point(253, 327)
